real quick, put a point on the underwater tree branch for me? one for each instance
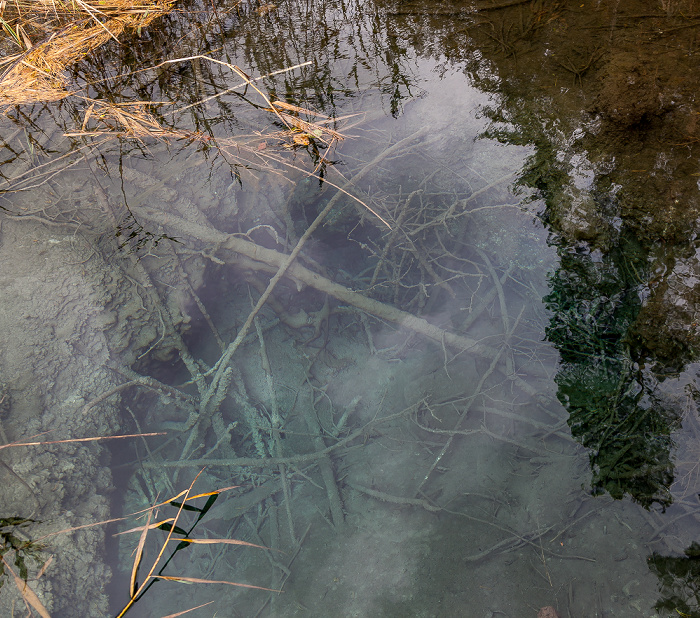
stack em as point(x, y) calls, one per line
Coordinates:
point(268, 462)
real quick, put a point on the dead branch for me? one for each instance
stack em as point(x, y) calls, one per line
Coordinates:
point(380, 495)
point(468, 403)
point(267, 462)
point(269, 260)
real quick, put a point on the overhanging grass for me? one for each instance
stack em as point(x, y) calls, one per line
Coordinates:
point(44, 37)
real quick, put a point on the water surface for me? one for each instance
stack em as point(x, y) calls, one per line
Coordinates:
point(510, 424)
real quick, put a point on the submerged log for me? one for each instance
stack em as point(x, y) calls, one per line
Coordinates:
point(261, 258)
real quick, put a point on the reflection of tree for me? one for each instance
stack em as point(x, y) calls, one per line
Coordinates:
point(611, 402)
point(607, 313)
point(679, 578)
point(595, 298)
point(609, 100)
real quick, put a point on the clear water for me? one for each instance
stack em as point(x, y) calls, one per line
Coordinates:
point(530, 441)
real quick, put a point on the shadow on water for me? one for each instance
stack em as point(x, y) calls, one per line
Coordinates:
point(679, 578)
point(597, 100)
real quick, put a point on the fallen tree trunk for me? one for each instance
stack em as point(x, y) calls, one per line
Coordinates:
point(261, 258)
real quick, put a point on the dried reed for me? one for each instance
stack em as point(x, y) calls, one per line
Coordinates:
point(125, 119)
point(51, 35)
point(175, 533)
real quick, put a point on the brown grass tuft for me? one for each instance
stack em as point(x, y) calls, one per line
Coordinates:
point(51, 35)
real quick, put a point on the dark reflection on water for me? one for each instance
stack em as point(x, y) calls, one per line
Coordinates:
point(599, 103)
point(613, 406)
point(678, 576)
point(601, 98)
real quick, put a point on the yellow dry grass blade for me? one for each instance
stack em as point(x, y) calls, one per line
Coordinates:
point(27, 593)
point(146, 510)
point(43, 568)
point(195, 580)
point(182, 493)
point(219, 542)
point(299, 110)
point(95, 439)
point(314, 130)
point(69, 32)
point(308, 129)
point(83, 527)
point(135, 595)
point(213, 493)
point(187, 611)
point(126, 119)
point(147, 526)
point(133, 586)
point(89, 10)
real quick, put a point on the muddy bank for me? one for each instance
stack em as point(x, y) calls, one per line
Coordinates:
point(73, 315)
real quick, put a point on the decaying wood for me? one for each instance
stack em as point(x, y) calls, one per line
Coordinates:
point(260, 258)
point(326, 466)
point(384, 497)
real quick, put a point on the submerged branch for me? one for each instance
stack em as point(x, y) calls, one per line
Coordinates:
point(267, 462)
point(261, 258)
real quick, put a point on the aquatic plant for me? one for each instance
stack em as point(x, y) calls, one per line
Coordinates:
point(12, 540)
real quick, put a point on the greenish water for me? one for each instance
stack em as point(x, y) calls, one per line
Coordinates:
point(509, 423)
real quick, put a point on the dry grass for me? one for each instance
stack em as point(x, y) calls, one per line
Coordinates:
point(175, 533)
point(171, 525)
point(126, 119)
point(29, 597)
point(50, 35)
